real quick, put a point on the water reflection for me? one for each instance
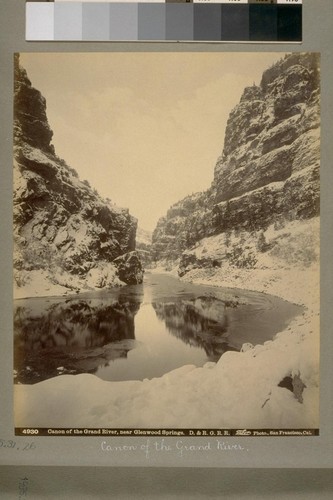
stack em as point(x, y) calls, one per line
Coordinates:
point(139, 331)
point(88, 335)
point(72, 336)
point(200, 322)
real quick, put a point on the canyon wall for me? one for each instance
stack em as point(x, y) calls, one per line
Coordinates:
point(62, 227)
point(268, 171)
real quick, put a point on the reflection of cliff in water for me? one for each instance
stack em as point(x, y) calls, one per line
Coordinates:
point(201, 322)
point(72, 336)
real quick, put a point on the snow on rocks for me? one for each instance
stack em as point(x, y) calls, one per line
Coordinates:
point(42, 283)
point(241, 390)
point(103, 276)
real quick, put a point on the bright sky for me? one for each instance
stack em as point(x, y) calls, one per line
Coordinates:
point(144, 128)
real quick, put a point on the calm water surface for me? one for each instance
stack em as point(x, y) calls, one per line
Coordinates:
point(140, 331)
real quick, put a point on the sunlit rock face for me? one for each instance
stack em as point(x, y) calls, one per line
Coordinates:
point(269, 167)
point(272, 137)
point(61, 224)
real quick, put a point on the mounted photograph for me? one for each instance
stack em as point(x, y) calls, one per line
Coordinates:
point(166, 243)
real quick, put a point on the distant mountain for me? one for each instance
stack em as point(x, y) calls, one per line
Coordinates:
point(143, 238)
point(65, 234)
point(143, 246)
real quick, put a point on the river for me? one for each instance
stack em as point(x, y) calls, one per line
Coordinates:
point(140, 331)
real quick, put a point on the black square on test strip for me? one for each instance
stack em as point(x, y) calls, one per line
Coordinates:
point(263, 23)
point(289, 23)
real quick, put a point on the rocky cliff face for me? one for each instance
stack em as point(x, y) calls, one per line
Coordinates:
point(269, 168)
point(62, 227)
point(185, 223)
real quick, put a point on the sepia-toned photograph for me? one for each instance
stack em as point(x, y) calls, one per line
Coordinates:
point(166, 242)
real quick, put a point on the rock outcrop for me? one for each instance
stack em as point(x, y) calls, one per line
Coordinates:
point(268, 171)
point(129, 268)
point(62, 226)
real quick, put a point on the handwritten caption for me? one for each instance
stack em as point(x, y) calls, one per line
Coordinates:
point(14, 445)
point(182, 448)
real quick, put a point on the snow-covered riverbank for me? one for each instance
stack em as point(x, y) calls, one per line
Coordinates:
point(41, 283)
point(240, 391)
point(289, 268)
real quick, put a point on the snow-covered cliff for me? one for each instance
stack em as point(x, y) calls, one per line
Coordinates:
point(66, 236)
point(268, 171)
